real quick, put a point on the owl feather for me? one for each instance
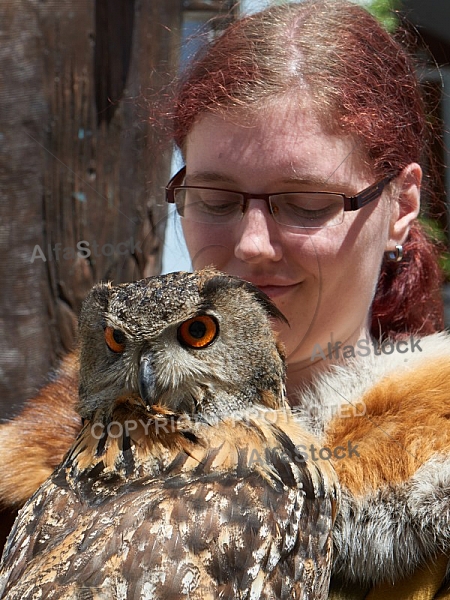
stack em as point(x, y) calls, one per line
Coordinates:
point(186, 480)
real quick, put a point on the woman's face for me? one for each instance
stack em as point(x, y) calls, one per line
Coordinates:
point(322, 280)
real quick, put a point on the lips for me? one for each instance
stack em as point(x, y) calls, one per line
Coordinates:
point(274, 291)
point(273, 287)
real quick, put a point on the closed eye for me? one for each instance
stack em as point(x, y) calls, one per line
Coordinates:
point(196, 202)
point(314, 209)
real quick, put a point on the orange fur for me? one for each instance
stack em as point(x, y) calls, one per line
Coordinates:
point(34, 443)
point(407, 421)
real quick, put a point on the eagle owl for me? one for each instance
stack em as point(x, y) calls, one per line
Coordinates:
point(186, 480)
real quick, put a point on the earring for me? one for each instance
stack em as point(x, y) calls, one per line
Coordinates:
point(395, 255)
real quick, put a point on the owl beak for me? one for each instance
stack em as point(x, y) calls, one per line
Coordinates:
point(146, 379)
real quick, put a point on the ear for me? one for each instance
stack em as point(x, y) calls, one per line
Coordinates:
point(405, 204)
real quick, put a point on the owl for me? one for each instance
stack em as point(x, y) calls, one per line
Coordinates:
point(186, 480)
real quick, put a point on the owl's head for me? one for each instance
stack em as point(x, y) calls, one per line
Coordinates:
point(197, 342)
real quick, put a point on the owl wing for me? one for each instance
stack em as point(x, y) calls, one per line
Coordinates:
point(239, 517)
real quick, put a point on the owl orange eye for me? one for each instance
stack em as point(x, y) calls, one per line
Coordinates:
point(115, 339)
point(198, 332)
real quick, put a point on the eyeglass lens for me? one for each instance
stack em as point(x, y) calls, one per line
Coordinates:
point(293, 209)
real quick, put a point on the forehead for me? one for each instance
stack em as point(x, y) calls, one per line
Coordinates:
point(283, 140)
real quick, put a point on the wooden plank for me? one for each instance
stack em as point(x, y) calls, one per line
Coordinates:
point(80, 166)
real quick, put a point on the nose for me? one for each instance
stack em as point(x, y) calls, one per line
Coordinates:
point(258, 235)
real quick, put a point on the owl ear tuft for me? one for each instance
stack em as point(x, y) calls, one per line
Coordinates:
point(266, 303)
point(222, 282)
point(100, 294)
point(96, 301)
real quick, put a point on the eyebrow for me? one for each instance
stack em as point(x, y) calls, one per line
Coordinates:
point(199, 177)
point(213, 176)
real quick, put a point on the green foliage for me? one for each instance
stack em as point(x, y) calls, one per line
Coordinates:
point(437, 235)
point(384, 11)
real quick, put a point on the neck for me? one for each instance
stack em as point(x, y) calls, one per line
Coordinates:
point(333, 351)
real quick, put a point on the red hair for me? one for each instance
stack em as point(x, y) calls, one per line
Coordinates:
point(362, 83)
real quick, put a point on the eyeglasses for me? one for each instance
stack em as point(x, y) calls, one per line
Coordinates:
point(302, 210)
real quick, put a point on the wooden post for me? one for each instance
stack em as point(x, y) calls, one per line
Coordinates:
point(81, 169)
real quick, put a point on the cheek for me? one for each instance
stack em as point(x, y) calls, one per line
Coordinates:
point(354, 260)
point(350, 271)
point(363, 239)
point(208, 245)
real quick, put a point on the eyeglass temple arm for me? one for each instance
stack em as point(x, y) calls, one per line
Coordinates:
point(176, 180)
point(368, 195)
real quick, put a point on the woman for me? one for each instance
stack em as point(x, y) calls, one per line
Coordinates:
point(308, 119)
point(287, 104)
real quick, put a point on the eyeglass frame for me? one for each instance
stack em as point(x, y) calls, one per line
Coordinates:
point(351, 203)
